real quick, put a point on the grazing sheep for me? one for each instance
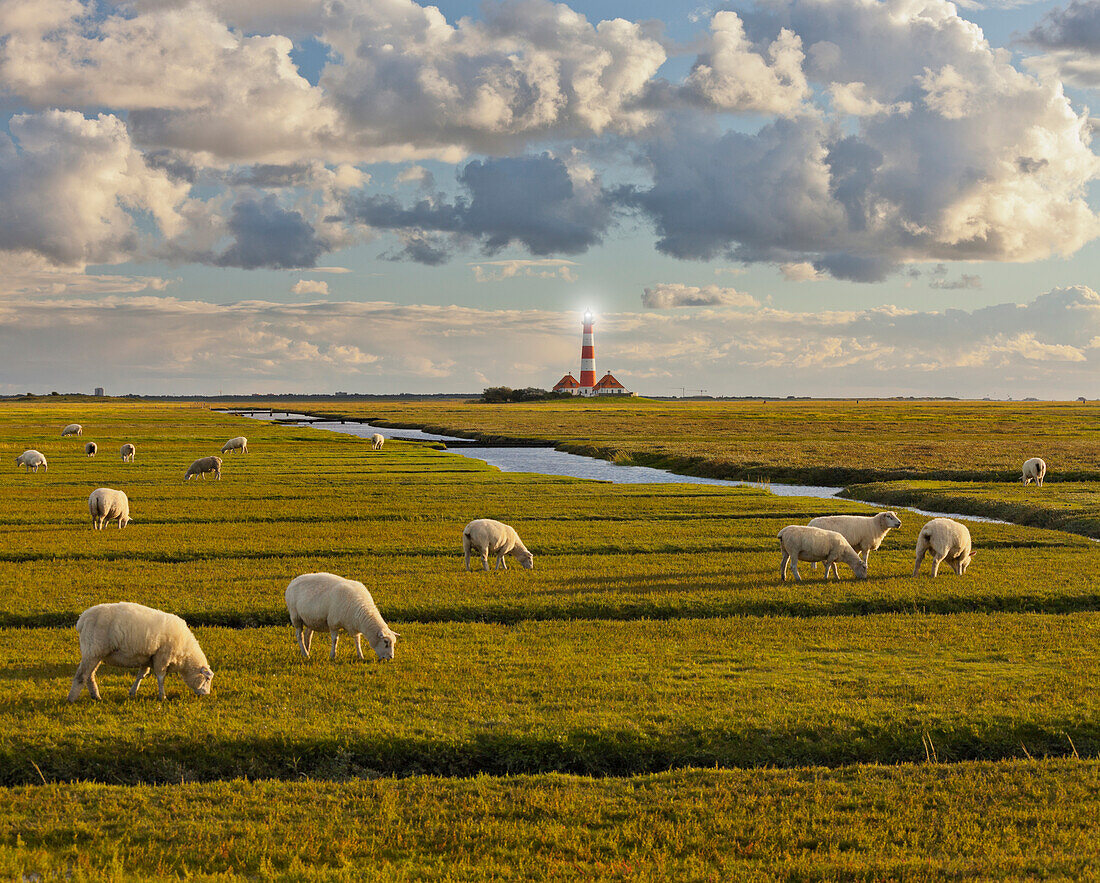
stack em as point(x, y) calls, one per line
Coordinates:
point(90, 449)
point(489, 537)
point(204, 465)
point(327, 602)
point(814, 544)
point(128, 451)
point(376, 441)
point(864, 533)
point(240, 443)
point(72, 429)
point(32, 459)
point(949, 541)
point(106, 505)
point(1035, 470)
point(134, 636)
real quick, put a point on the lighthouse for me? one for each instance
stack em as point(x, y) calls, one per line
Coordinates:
point(588, 357)
point(588, 385)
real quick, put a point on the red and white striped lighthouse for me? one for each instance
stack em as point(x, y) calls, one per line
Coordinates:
point(588, 357)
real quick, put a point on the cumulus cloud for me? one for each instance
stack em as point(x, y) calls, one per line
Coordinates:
point(146, 343)
point(535, 201)
point(309, 286)
point(802, 271)
point(541, 268)
point(675, 294)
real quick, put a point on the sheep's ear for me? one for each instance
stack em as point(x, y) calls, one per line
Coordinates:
point(973, 555)
point(396, 634)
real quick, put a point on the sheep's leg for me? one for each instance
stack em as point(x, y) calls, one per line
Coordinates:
point(142, 672)
point(359, 647)
point(501, 562)
point(936, 563)
point(783, 566)
point(831, 569)
point(485, 560)
point(922, 547)
point(309, 641)
point(93, 684)
point(302, 645)
point(335, 638)
point(467, 560)
point(85, 670)
point(794, 568)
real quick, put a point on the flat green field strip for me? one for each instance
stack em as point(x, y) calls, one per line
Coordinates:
point(1061, 505)
point(803, 442)
point(1004, 821)
point(652, 636)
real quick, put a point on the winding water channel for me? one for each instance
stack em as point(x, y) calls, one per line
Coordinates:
point(548, 461)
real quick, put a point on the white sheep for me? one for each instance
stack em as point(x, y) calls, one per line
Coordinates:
point(376, 441)
point(240, 443)
point(949, 541)
point(801, 543)
point(864, 533)
point(72, 429)
point(204, 465)
point(128, 452)
point(90, 449)
point(488, 537)
point(106, 505)
point(1035, 470)
point(32, 459)
point(325, 602)
point(137, 637)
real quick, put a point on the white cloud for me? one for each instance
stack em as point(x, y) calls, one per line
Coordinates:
point(675, 294)
point(309, 286)
point(802, 271)
point(146, 343)
point(541, 268)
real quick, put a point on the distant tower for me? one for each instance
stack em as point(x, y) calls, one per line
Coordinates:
point(588, 357)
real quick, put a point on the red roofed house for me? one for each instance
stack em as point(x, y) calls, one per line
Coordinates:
point(608, 385)
point(567, 384)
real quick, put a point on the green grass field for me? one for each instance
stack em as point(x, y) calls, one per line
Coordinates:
point(650, 699)
point(801, 442)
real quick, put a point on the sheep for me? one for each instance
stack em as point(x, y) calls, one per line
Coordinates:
point(32, 459)
point(491, 537)
point(814, 544)
point(203, 465)
point(137, 637)
point(128, 452)
point(240, 443)
point(949, 541)
point(1035, 470)
point(864, 533)
point(106, 505)
point(90, 449)
point(72, 429)
point(376, 441)
point(327, 602)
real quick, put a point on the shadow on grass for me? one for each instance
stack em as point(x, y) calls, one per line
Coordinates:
point(620, 609)
point(590, 753)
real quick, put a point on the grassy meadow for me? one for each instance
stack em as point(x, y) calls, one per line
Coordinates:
point(799, 442)
point(649, 699)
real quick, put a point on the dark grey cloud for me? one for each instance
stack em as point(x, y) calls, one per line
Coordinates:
point(267, 235)
point(532, 201)
point(272, 175)
point(1076, 26)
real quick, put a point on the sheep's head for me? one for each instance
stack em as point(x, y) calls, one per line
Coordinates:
point(384, 643)
point(526, 559)
point(123, 521)
point(199, 680)
point(891, 519)
point(962, 563)
point(859, 568)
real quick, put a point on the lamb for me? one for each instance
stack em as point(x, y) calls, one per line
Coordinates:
point(72, 429)
point(106, 505)
point(815, 544)
point(134, 636)
point(128, 451)
point(864, 533)
point(240, 443)
point(1035, 470)
point(327, 602)
point(491, 537)
point(376, 441)
point(32, 459)
point(90, 449)
point(949, 541)
point(204, 465)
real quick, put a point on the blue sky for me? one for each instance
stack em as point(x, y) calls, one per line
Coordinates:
point(825, 197)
